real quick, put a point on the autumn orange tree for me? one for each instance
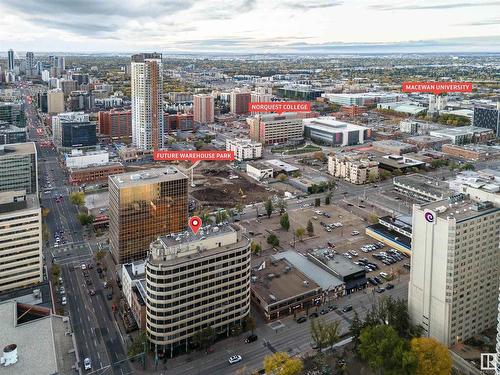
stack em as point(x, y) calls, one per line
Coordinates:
point(281, 363)
point(432, 356)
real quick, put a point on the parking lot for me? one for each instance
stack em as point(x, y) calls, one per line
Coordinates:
point(338, 230)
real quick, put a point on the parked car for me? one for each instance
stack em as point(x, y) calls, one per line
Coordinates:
point(380, 290)
point(63, 301)
point(347, 308)
point(324, 311)
point(313, 315)
point(389, 286)
point(384, 275)
point(302, 319)
point(87, 364)
point(251, 338)
point(354, 233)
point(332, 307)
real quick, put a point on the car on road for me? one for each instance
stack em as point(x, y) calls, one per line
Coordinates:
point(354, 233)
point(313, 315)
point(61, 290)
point(235, 359)
point(302, 319)
point(88, 282)
point(324, 311)
point(251, 338)
point(84, 266)
point(87, 364)
point(92, 292)
point(332, 307)
point(380, 289)
point(63, 301)
point(109, 296)
point(347, 308)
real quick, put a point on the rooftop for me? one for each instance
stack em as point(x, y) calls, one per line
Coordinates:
point(38, 295)
point(42, 345)
point(461, 130)
point(146, 177)
point(422, 182)
point(277, 280)
point(460, 208)
point(260, 165)
point(330, 124)
point(182, 247)
point(338, 263)
point(17, 201)
point(281, 165)
point(17, 149)
point(321, 277)
point(396, 161)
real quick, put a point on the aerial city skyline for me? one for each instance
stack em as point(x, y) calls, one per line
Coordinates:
point(215, 188)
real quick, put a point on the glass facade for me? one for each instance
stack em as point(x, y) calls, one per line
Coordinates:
point(78, 134)
point(18, 171)
point(139, 213)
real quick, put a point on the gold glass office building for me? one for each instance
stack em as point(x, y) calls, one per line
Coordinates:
point(142, 206)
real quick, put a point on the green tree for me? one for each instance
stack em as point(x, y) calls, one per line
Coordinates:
point(204, 338)
point(273, 240)
point(432, 356)
point(238, 207)
point(467, 167)
point(285, 221)
point(385, 352)
point(384, 175)
point(100, 255)
point(199, 145)
point(397, 172)
point(296, 174)
point(372, 218)
point(310, 228)
point(355, 328)
point(324, 333)
point(282, 177)
point(281, 363)
point(372, 177)
point(85, 219)
point(320, 155)
point(249, 323)
point(269, 208)
point(78, 198)
point(281, 205)
point(221, 216)
point(328, 198)
point(138, 345)
point(255, 248)
point(299, 232)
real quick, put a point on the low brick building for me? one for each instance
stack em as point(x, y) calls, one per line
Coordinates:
point(98, 173)
point(472, 151)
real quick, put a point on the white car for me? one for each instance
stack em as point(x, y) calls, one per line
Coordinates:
point(235, 359)
point(87, 364)
point(84, 267)
point(64, 301)
point(384, 275)
point(62, 291)
point(354, 233)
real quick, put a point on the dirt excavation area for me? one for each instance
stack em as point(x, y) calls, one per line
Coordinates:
point(217, 185)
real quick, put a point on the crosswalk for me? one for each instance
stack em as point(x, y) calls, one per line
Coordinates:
point(71, 252)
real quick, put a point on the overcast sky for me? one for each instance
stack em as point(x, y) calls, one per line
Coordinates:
point(250, 25)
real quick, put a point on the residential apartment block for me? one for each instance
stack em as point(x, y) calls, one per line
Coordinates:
point(244, 149)
point(354, 168)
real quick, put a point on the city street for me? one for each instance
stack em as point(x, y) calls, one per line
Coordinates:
point(97, 334)
point(292, 338)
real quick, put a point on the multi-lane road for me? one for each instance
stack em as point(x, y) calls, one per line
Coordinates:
point(291, 337)
point(96, 330)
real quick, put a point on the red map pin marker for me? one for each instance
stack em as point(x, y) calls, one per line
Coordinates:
point(195, 224)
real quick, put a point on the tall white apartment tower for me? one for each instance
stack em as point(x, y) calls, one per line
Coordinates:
point(455, 268)
point(147, 101)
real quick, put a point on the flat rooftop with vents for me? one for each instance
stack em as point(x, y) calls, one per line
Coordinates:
point(279, 288)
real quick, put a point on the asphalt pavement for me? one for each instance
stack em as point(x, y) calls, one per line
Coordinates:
point(96, 330)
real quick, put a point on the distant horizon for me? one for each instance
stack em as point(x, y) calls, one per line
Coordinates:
point(251, 26)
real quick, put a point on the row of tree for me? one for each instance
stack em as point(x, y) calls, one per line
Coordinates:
point(388, 342)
